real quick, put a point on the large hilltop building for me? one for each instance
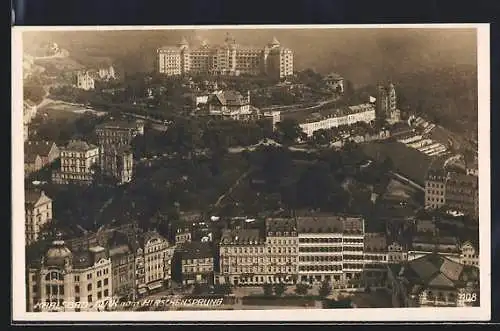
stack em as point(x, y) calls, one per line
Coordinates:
point(230, 58)
point(77, 161)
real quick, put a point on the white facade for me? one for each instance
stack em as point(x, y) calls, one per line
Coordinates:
point(361, 113)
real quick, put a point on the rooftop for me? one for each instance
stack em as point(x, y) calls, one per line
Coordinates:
point(195, 250)
point(281, 225)
point(32, 196)
point(117, 124)
point(79, 145)
point(322, 114)
point(241, 237)
point(375, 242)
point(34, 148)
point(229, 98)
point(327, 223)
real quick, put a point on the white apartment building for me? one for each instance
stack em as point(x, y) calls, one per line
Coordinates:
point(151, 249)
point(331, 248)
point(243, 258)
point(77, 160)
point(38, 212)
point(227, 59)
point(69, 281)
point(282, 250)
point(337, 117)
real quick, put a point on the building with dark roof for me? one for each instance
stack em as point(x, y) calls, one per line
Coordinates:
point(38, 213)
point(152, 267)
point(243, 258)
point(375, 259)
point(433, 281)
point(122, 258)
point(425, 244)
point(229, 104)
point(65, 280)
point(38, 154)
point(194, 263)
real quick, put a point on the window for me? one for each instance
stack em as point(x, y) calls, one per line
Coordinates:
point(106, 293)
point(89, 298)
point(99, 295)
point(89, 276)
point(77, 278)
point(99, 283)
point(89, 287)
point(77, 289)
point(77, 299)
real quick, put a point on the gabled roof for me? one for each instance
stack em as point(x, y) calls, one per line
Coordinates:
point(437, 271)
point(31, 197)
point(33, 148)
point(229, 98)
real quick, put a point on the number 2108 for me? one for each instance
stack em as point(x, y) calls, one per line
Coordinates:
point(468, 297)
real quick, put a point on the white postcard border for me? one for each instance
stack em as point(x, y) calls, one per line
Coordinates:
point(483, 312)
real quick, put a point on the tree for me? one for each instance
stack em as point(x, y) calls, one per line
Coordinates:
point(268, 289)
point(301, 289)
point(325, 289)
point(288, 131)
point(279, 289)
point(197, 289)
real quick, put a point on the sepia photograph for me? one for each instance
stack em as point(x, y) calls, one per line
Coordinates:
point(292, 173)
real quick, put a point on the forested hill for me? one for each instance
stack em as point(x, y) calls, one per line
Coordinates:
point(447, 95)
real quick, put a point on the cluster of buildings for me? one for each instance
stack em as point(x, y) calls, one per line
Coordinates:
point(458, 191)
point(230, 104)
point(122, 263)
point(85, 79)
point(384, 107)
point(127, 263)
point(112, 156)
point(230, 58)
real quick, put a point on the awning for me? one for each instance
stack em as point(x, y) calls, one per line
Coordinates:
point(155, 286)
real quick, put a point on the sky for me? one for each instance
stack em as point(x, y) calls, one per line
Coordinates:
point(363, 55)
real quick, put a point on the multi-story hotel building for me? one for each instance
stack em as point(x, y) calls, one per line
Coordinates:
point(150, 249)
point(462, 193)
point(422, 245)
point(194, 262)
point(243, 258)
point(63, 280)
point(227, 59)
point(333, 118)
point(118, 163)
point(84, 80)
point(122, 258)
point(114, 139)
point(375, 259)
point(118, 132)
point(457, 191)
point(435, 189)
point(282, 250)
point(77, 161)
point(331, 248)
point(38, 212)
